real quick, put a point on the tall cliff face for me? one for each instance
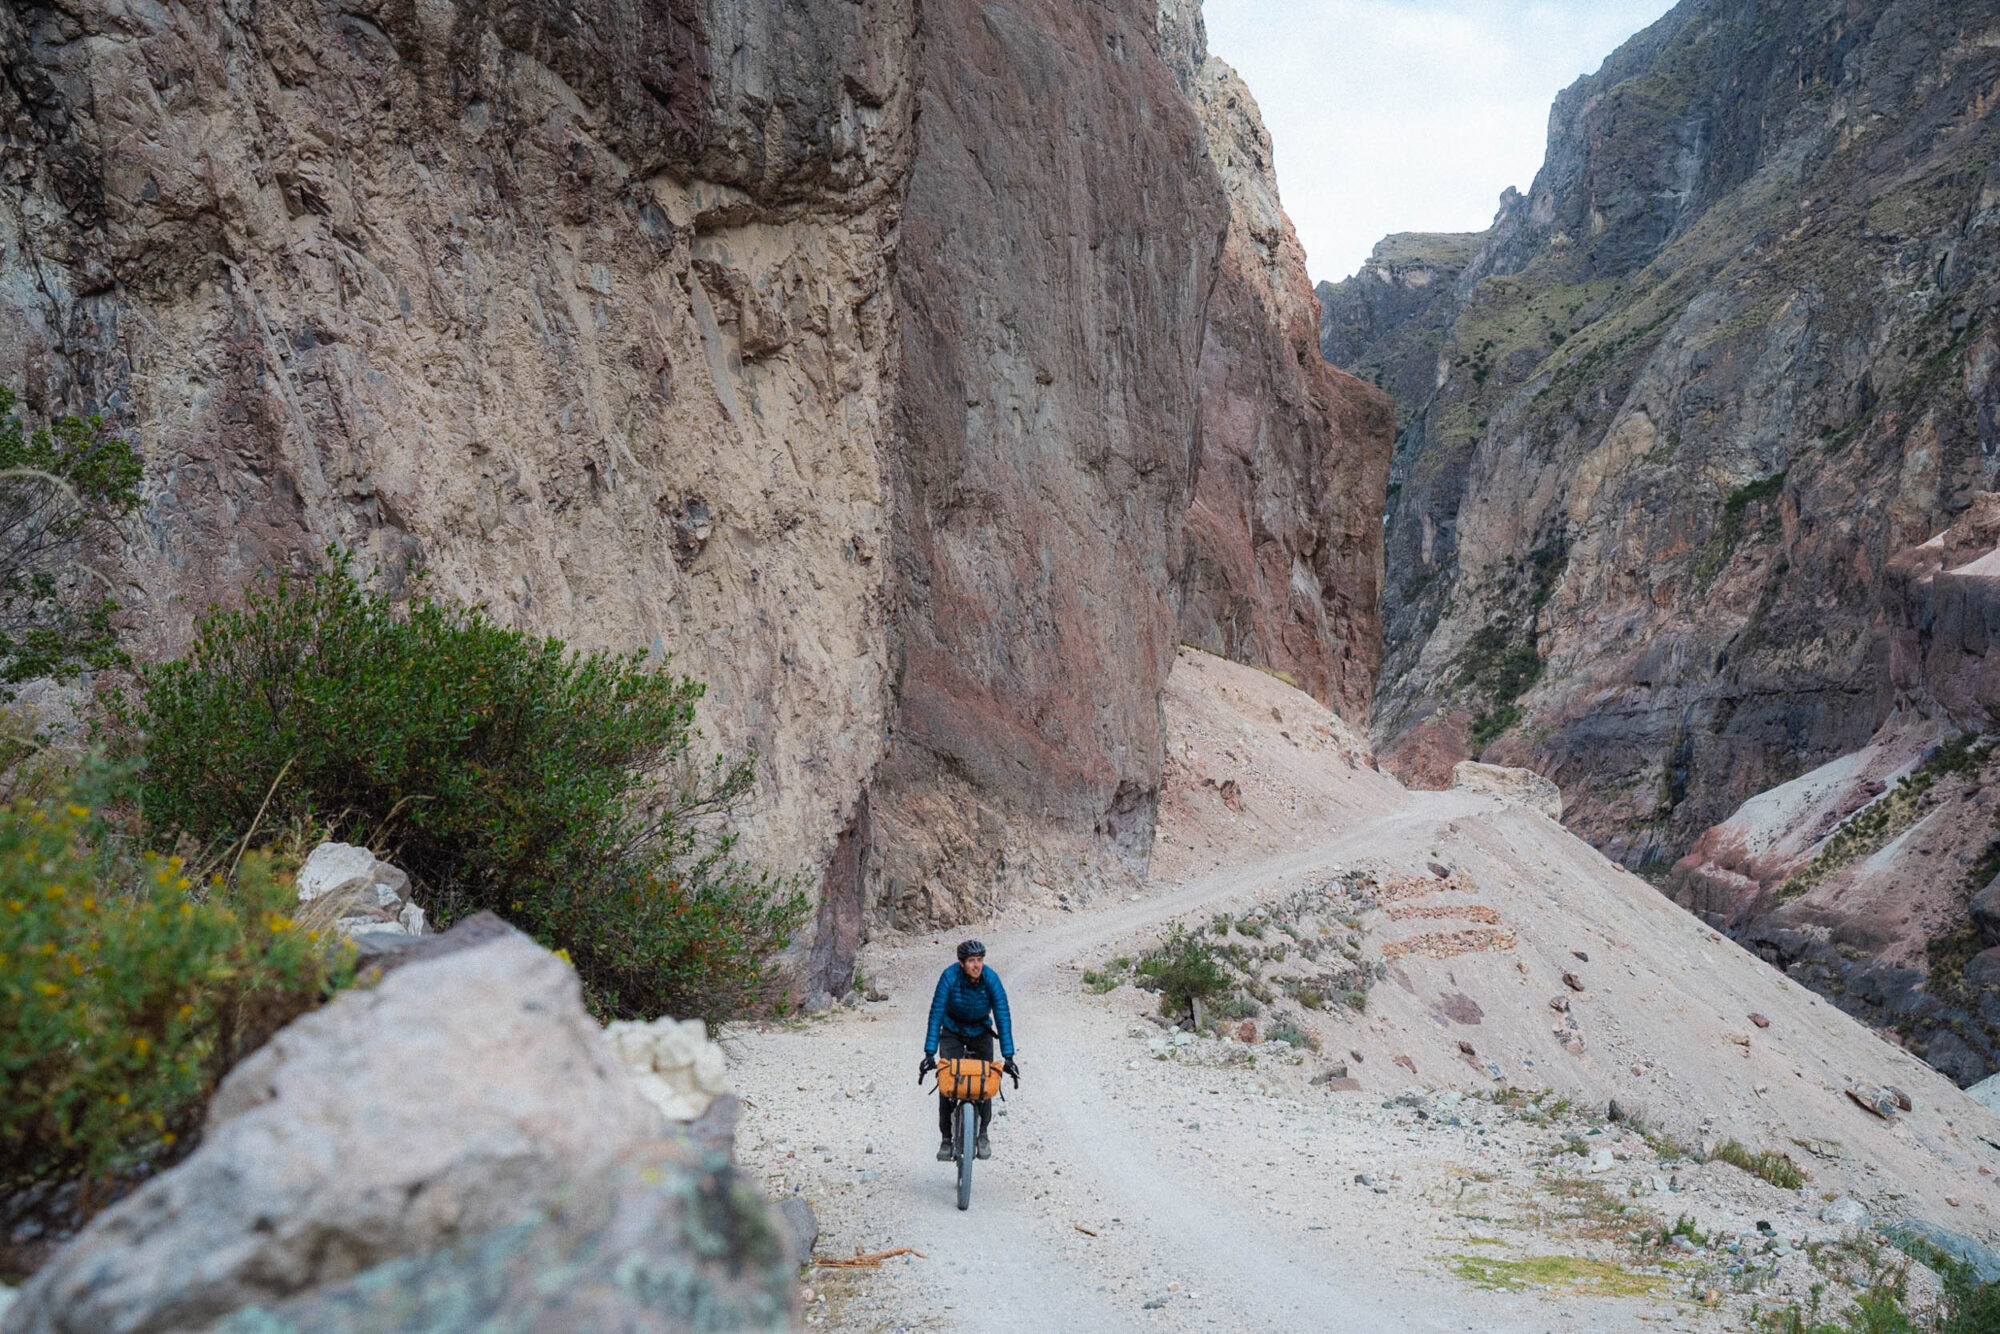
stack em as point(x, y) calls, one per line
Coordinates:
point(1284, 566)
point(1661, 433)
point(1059, 240)
point(853, 353)
point(1116, 433)
point(585, 308)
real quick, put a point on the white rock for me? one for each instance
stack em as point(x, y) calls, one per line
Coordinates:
point(1523, 787)
point(335, 868)
point(1601, 1161)
point(362, 926)
point(379, 891)
point(1845, 1212)
point(676, 1067)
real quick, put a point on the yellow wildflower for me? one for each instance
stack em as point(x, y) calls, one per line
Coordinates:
point(78, 811)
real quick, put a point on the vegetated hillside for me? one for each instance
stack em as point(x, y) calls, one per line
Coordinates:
point(1662, 427)
point(678, 327)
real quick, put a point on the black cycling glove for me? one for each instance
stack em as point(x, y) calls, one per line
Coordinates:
point(1013, 1069)
point(925, 1066)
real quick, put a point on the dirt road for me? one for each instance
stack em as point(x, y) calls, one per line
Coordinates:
point(1435, 1156)
point(1240, 1225)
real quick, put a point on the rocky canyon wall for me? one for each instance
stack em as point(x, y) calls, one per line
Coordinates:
point(859, 355)
point(1690, 505)
point(588, 314)
point(1284, 566)
point(1116, 434)
point(1662, 426)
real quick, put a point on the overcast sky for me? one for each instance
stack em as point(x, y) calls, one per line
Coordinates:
point(1409, 115)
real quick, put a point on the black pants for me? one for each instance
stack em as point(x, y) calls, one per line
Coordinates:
point(950, 1045)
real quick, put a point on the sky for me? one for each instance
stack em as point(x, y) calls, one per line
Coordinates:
point(1409, 115)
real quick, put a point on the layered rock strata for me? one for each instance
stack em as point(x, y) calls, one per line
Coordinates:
point(1872, 878)
point(1663, 429)
point(857, 355)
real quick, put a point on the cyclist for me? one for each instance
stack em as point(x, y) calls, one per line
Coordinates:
point(968, 992)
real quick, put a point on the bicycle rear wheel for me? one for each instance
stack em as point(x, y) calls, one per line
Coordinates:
point(968, 1142)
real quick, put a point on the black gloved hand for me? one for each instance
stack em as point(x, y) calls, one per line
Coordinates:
point(925, 1066)
point(1013, 1069)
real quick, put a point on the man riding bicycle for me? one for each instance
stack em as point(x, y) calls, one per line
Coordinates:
point(968, 992)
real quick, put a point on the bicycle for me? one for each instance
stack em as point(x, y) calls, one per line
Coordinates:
point(971, 1083)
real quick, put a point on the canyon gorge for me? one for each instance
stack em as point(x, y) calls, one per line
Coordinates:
point(1673, 437)
point(918, 374)
point(1483, 776)
point(921, 374)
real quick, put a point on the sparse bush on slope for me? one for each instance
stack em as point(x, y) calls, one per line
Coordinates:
point(57, 482)
point(504, 771)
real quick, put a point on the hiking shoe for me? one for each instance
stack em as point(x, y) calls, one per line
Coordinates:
point(981, 1148)
point(945, 1154)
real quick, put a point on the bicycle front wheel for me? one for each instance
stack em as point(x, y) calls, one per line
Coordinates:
point(968, 1142)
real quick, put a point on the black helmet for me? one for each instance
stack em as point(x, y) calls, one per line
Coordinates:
point(969, 948)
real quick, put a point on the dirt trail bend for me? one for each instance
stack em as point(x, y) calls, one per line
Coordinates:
point(1214, 1227)
point(1390, 1174)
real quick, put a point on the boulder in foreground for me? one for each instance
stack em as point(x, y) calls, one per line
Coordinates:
point(462, 1137)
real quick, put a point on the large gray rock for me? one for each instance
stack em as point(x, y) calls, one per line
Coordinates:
point(461, 1092)
point(665, 1241)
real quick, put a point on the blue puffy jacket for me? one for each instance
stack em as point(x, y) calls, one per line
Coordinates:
point(961, 1005)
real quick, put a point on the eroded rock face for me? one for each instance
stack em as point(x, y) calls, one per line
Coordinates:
point(584, 308)
point(1284, 534)
point(1061, 228)
point(1870, 878)
point(460, 1095)
point(670, 325)
point(1662, 432)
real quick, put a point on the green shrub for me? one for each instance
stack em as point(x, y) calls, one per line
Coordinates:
point(1183, 967)
point(1775, 1168)
point(1964, 1306)
point(126, 993)
point(1488, 727)
point(1114, 974)
point(505, 772)
point(1292, 1035)
point(57, 483)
